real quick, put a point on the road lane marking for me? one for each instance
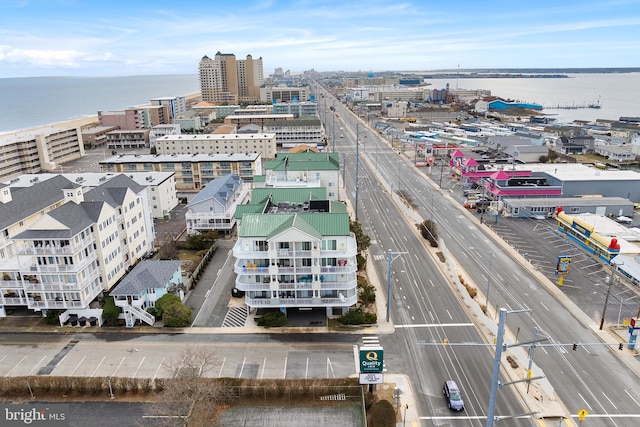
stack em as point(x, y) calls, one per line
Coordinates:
point(435, 325)
point(306, 370)
point(242, 367)
point(612, 404)
point(264, 365)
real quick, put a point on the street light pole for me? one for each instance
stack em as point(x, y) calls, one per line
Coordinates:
point(357, 169)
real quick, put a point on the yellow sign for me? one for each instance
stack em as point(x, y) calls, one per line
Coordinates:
point(582, 413)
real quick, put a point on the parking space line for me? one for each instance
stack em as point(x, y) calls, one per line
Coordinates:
point(158, 370)
point(25, 356)
point(118, 367)
point(36, 365)
point(78, 365)
point(306, 371)
point(284, 372)
point(221, 367)
point(138, 368)
point(264, 364)
point(242, 367)
point(95, 370)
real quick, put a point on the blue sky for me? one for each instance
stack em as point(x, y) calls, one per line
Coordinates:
point(136, 37)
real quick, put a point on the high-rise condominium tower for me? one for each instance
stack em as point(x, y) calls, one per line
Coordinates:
point(227, 80)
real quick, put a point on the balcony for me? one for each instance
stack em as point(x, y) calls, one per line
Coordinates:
point(301, 302)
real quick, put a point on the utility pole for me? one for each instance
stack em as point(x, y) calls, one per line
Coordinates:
point(612, 279)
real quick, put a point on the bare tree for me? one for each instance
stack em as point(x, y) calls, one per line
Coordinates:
point(190, 391)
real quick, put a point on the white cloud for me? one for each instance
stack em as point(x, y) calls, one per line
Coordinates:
point(41, 57)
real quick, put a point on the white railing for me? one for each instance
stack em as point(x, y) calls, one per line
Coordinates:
point(139, 313)
point(302, 302)
point(13, 301)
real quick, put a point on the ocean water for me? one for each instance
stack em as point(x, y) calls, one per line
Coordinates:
point(618, 94)
point(36, 101)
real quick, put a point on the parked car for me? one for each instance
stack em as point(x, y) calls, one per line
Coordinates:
point(453, 396)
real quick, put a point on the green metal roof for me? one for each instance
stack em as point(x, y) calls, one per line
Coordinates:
point(259, 178)
point(304, 161)
point(291, 195)
point(315, 224)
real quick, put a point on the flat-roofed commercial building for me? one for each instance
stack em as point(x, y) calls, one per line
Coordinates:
point(39, 150)
point(263, 143)
point(255, 119)
point(192, 171)
point(96, 137)
point(143, 117)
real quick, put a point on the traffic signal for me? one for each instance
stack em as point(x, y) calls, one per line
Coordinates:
point(620, 346)
point(575, 346)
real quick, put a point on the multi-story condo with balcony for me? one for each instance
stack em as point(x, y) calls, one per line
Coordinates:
point(255, 119)
point(214, 207)
point(192, 171)
point(293, 133)
point(224, 79)
point(119, 139)
point(62, 252)
point(219, 143)
point(300, 170)
point(272, 94)
point(175, 104)
point(162, 130)
point(307, 109)
point(161, 186)
point(39, 150)
point(297, 256)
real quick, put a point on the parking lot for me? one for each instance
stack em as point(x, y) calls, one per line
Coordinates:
point(153, 356)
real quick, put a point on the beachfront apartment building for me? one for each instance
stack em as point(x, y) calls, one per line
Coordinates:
point(192, 171)
point(302, 170)
point(143, 117)
point(223, 143)
point(61, 247)
point(175, 104)
point(224, 79)
point(39, 150)
point(214, 207)
point(161, 186)
point(293, 133)
point(297, 258)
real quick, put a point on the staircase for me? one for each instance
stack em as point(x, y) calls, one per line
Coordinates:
point(131, 313)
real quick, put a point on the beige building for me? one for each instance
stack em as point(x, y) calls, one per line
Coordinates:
point(255, 119)
point(284, 94)
point(224, 79)
point(192, 171)
point(39, 150)
point(96, 137)
point(118, 139)
point(263, 143)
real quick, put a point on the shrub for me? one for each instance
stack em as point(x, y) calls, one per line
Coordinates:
point(362, 262)
point(52, 317)
point(429, 232)
point(357, 316)
point(176, 315)
point(367, 293)
point(165, 301)
point(383, 414)
point(273, 319)
point(110, 312)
